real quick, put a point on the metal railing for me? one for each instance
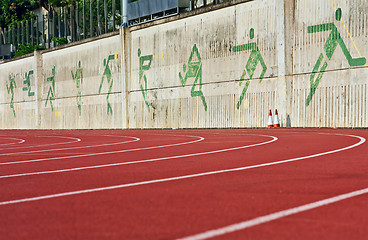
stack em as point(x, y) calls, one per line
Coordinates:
point(64, 25)
point(89, 19)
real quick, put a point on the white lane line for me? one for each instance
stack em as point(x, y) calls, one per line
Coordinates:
point(72, 148)
point(274, 216)
point(105, 153)
point(42, 145)
point(362, 140)
point(76, 140)
point(6, 144)
point(138, 161)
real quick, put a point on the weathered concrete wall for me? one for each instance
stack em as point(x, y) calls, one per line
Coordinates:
point(331, 92)
point(18, 94)
point(186, 73)
point(77, 87)
point(87, 86)
point(222, 67)
point(340, 98)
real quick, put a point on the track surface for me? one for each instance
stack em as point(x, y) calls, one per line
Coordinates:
point(184, 184)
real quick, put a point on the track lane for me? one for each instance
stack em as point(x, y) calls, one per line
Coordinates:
point(186, 155)
point(274, 216)
point(91, 160)
point(13, 142)
point(112, 176)
point(47, 183)
point(85, 151)
point(172, 210)
point(175, 209)
point(33, 152)
point(16, 155)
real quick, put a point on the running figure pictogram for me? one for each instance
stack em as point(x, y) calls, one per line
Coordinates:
point(333, 40)
point(194, 70)
point(51, 93)
point(110, 81)
point(27, 83)
point(78, 79)
point(10, 89)
point(255, 57)
point(144, 65)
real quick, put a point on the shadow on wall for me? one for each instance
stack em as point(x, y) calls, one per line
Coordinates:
point(288, 121)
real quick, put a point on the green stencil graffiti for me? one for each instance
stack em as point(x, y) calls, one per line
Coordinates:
point(144, 65)
point(51, 93)
point(27, 83)
point(194, 70)
point(110, 81)
point(78, 79)
point(255, 57)
point(333, 40)
point(10, 88)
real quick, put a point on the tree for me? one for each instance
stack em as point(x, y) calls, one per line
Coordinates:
point(12, 11)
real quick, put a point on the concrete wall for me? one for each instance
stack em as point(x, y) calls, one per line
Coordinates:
point(78, 87)
point(190, 71)
point(340, 99)
point(18, 94)
point(93, 98)
point(214, 69)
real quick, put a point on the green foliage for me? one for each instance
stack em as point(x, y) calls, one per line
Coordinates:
point(12, 11)
point(15, 11)
point(59, 41)
point(26, 49)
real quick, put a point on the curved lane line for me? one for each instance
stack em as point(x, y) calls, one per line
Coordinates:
point(106, 153)
point(71, 148)
point(114, 187)
point(138, 161)
point(20, 141)
point(50, 144)
point(274, 216)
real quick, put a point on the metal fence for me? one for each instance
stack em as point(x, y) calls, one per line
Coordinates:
point(147, 10)
point(90, 19)
point(62, 25)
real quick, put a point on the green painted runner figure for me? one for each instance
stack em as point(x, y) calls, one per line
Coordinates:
point(10, 89)
point(78, 79)
point(110, 81)
point(333, 40)
point(194, 70)
point(253, 60)
point(51, 93)
point(27, 83)
point(144, 65)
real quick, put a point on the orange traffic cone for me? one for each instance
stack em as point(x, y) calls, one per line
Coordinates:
point(270, 122)
point(276, 120)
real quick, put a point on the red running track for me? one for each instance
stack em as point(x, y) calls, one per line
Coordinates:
point(184, 184)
